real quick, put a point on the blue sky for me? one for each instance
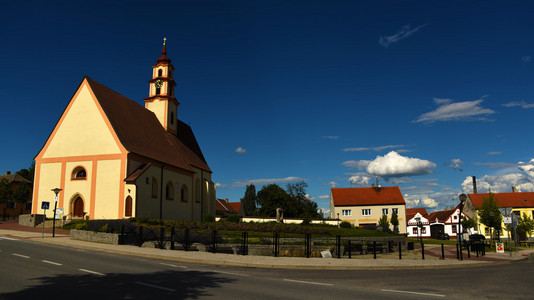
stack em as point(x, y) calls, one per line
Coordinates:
point(422, 94)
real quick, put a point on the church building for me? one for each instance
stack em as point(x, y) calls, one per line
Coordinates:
point(114, 158)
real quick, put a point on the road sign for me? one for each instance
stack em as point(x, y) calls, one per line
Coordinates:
point(507, 220)
point(505, 211)
point(45, 205)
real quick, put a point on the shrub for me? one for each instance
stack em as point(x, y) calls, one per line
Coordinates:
point(80, 226)
point(208, 218)
point(345, 224)
point(234, 218)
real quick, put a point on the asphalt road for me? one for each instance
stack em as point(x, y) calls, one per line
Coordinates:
point(43, 271)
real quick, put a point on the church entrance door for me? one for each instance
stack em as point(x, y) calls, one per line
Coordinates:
point(78, 208)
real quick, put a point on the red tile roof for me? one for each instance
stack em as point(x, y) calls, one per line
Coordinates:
point(222, 206)
point(14, 178)
point(411, 212)
point(140, 132)
point(367, 196)
point(442, 215)
point(505, 199)
point(236, 206)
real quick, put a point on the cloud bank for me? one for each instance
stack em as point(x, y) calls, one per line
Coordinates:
point(401, 34)
point(240, 150)
point(523, 179)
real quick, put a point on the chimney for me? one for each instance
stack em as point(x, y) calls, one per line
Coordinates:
point(514, 189)
point(226, 200)
point(373, 185)
point(474, 184)
point(8, 172)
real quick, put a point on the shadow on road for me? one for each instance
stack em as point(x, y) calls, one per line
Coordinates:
point(160, 285)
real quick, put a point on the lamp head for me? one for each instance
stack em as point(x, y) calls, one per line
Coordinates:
point(462, 197)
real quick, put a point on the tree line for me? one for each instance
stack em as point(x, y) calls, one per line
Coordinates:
point(293, 200)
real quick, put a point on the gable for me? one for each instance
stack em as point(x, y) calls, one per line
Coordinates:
point(82, 130)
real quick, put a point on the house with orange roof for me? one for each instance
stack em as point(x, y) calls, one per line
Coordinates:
point(365, 206)
point(518, 202)
point(12, 208)
point(113, 158)
point(432, 224)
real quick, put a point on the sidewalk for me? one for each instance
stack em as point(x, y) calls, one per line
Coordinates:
point(410, 259)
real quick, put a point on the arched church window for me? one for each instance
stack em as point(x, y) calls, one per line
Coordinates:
point(172, 117)
point(169, 191)
point(183, 193)
point(154, 188)
point(160, 72)
point(79, 173)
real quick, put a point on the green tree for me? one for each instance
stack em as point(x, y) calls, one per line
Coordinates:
point(383, 221)
point(271, 197)
point(28, 173)
point(6, 194)
point(489, 214)
point(395, 221)
point(525, 225)
point(304, 207)
point(22, 194)
point(249, 200)
point(468, 222)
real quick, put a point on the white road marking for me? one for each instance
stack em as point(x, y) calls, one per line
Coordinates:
point(9, 239)
point(20, 255)
point(414, 293)
point(51, 262)
point(155, 286)
point(309, 282)
point(92, 272)
point(175, 266)
point(229, 273)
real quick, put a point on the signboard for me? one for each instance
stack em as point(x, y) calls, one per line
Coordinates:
point(59, 213)
point(45, 205)
point(505, 211)
point(500, 247)
point(507, 220)
point(55, 198)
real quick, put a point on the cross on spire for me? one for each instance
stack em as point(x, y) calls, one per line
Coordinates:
point(164, 41)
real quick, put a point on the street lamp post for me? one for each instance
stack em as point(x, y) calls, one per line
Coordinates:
point(56, 191)
point(462, 197)
point(419, 229)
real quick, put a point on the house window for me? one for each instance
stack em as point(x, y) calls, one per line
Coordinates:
point(414, 231)
point(154, 188)
point(385, 211)
point(10, 204)
point(172, 117)
point(456, 217)
point(395, 211)
point(346, 213)
point(128, 207)
point(79, 173)
point(454, 229)
point(183, 193)
point(366, 212)
point(487, 231)
point(423, 230)
point(169, 191)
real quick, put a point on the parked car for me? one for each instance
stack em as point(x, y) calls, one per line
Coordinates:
point(443, 236)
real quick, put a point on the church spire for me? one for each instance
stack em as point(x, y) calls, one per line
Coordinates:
point(162, 92)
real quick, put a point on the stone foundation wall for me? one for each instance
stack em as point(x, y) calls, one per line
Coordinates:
point(97, 237)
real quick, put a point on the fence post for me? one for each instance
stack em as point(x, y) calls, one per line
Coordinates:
point(374, 249)
point(186, 239)
point(140, 240)
point(161, 237)
point(214, 237)
point(338, 245)
point(245, 243)
point(442, 251)
point(307, 241)
point(423, 250)
point(400, 250)
point(276, 238)
point(172, 237)
point(121, 238)
point(457, 252)
point(348, 245)
point(468, 251)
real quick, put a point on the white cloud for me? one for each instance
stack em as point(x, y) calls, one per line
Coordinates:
point(494, 153)
point(331, 183)
point(360, 165)
point(324, 197)
point(428, 202)
point(455, 163)
point(360, 179)
point(495, 165)
point(456, 111)
point(380, 148)
point(521, 104)
point(243, 183)
point(524, 180)
point(240, 150)
point(220, 185)
point(396, 165)
point(403, 33)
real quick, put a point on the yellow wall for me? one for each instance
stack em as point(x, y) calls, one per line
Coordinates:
point(108, 181)
point(50, 177)
point(159, 108)
point(504, 233)
point(83, 130)
point(356, 217)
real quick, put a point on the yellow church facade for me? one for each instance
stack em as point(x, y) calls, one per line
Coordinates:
point(114, 158)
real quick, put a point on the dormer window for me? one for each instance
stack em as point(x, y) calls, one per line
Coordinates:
point(79, 173)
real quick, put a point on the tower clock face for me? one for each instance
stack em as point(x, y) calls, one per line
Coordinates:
point(159, 83)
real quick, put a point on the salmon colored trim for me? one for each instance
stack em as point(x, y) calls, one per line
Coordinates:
point(35, 201)
point(82, 158)
point(93, 190)
point(122, 185)
point(62, 184)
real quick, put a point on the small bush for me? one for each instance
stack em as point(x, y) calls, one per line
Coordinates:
point(208, 218)
point(80, 226)
point(345, 224)
point(234, 218)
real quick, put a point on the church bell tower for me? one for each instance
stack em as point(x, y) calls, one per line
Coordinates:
point(161, 100)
